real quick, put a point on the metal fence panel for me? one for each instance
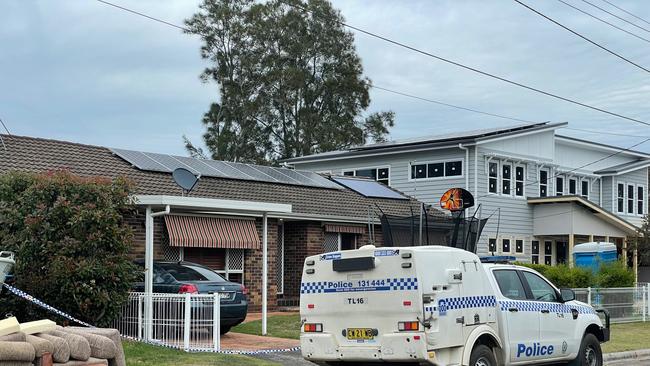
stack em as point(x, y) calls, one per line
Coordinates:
point(184, 321)
point(624, 304)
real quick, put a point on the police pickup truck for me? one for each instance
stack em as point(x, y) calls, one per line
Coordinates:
point(442, 306)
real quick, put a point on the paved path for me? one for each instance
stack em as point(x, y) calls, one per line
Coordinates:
point(249, 342)
point(639, 362)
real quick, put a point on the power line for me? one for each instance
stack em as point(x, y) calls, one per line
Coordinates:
point(604, 133)
point(604, 21)
point(371, 85)
point(614, 15)
point(484, 73)
point(449, 105)
point(627, 12)
point(581, 36)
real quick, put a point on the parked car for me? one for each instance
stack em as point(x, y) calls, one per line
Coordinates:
point(188, 277)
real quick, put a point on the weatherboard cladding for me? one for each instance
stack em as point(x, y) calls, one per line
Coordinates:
point(40, 155)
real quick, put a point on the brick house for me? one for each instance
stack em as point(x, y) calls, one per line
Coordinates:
point(221, 223)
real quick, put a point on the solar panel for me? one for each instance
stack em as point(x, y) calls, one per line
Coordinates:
point(139, 160)
point(222, 169)
point(369, 188)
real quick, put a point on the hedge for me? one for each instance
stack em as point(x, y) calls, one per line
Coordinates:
point(614, 274)
point(71, 243)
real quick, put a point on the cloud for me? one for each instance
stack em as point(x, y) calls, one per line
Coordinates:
point(84, 71)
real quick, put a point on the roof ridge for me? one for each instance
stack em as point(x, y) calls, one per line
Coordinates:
point(33, 138)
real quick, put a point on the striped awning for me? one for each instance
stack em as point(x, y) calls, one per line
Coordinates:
point(211, 232)
point(339, 228)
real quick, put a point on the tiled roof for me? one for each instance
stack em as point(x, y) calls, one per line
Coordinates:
point(40, 155)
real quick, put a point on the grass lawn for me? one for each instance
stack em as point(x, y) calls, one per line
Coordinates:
point(628, 337)
point(138, 354)
point(282, 326)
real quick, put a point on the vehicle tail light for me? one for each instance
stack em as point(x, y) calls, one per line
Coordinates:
point(244, 290)
point(188, 289)
point(408, 326)
point(313, 328)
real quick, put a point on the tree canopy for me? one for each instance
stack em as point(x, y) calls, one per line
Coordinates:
point(290, 81)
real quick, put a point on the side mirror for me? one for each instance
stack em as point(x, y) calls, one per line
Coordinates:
point(567, 294)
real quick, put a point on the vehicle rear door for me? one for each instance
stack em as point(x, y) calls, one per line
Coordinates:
point(556, 321)
point(522, 324)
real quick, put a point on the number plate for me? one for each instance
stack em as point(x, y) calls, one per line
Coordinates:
point(360, 334)
point(226, 295)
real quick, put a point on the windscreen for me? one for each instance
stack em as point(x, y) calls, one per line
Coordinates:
point(188, 272)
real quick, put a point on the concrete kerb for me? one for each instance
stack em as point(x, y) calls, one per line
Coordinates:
point(627, 355)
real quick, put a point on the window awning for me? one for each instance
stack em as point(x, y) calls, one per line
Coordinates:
point(351, 229)
point(211, 232)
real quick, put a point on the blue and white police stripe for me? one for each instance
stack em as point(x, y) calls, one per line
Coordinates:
point(465, 302)
point(389, 284)
point(32, 299)
point(522, 305)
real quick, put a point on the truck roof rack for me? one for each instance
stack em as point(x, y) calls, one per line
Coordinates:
point(502, 259)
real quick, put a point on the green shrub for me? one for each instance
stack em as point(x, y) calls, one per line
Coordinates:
point(71, 243)
point(615, 274)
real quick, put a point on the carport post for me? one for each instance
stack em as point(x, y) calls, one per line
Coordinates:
point(265, 248)
point(148, 275)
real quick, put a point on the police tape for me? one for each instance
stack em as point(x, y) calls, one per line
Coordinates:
point(25, 296)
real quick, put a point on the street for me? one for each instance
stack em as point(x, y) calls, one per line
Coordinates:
point(294, 359)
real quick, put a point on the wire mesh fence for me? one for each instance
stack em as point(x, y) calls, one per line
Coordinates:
point(184, 321)
point(624, 304)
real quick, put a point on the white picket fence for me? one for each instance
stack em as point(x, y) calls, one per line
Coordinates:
point(185, 321)
point(624, 304)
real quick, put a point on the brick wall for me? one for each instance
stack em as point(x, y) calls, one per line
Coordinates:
point(253, 268)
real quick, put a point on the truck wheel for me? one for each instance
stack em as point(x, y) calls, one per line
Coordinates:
point(482, 356)
point(590, 353)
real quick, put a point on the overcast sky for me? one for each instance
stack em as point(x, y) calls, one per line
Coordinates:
point(83, 71)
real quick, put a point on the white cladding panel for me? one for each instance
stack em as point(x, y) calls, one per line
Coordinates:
point(540, 145)
point(569, 155)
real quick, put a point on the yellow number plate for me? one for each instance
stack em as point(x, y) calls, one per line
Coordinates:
point(360, 334)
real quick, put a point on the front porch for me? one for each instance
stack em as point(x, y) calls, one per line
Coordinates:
point(561, 222)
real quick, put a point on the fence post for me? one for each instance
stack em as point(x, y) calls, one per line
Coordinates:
point(186, 323)
point(647, 293)
point(216, 321)
point(139, 317)
point(589, 295)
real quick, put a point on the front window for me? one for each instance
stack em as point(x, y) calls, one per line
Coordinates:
point(437, 170)
point(492, 245)
point(535, 251)
point(640, 198)
point(506, 178)
point(510, 284)
point(543, 183)
point(493, 173)
point(584, 188)
point(505, 245)
point(630, 199)
point(381, 175)
point(559, 186)
point(520, 177)
point(620, 198)
point(548, 253)
point(519, 246)
point(542, 290)
point(572, 186)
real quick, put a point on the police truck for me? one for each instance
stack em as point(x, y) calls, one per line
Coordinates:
point(444, 306)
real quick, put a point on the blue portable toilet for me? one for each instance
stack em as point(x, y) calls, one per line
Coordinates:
point(592, 255)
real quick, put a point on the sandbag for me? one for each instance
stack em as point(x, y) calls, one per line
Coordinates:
point(90, 361)
point(14, 337)
point(100, 346)
point(79, 347)
point(61, 352)
point(16, 351)
point(113, 335)
point(41, 346)
point(8, 326)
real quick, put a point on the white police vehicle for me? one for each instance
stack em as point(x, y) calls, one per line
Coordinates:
point(443, 306)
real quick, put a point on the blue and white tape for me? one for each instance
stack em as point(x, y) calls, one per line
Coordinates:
point(51, 309)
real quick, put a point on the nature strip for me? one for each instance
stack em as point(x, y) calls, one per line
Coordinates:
point(32, 299)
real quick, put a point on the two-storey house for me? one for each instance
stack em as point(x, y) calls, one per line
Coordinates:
point(545, 192)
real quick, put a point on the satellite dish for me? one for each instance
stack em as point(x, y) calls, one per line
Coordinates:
point(185, 179)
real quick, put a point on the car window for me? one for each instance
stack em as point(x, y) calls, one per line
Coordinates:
point(187, 272)
point(510, 284)
point(542, 290)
